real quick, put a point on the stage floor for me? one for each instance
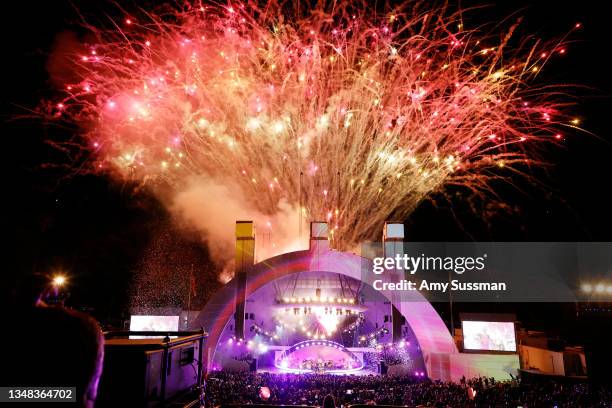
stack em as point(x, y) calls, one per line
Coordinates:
point(362, 372)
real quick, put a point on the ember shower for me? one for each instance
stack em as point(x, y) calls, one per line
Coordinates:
point(337, 113)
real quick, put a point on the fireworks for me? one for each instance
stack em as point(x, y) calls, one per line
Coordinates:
point(339, 113)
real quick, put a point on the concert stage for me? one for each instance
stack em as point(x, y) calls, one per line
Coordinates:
point(318, 356)
point(316, 311)
point(363, 372)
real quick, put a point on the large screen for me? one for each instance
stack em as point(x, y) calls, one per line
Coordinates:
point(154, 323)
point(490, 336)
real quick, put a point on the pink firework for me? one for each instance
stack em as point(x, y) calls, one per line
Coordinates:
point(336, 113)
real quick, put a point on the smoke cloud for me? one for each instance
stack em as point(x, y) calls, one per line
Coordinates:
point(212, 208)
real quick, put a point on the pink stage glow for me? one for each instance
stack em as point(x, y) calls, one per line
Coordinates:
point(318, 356)
point(431, 333)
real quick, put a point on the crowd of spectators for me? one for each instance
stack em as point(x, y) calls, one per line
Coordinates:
point(225, 388)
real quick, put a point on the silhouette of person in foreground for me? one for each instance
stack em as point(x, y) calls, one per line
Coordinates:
point(49, 346)
point(328, 402)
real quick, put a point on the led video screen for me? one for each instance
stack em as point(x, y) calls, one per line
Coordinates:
point(154, 323)
point(489, 336)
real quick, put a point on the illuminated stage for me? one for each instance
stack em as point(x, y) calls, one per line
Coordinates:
point(316, 311)
point(318, 356)
point(311, 312)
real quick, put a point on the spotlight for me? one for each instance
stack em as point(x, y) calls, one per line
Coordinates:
point(600, 288)
point(587, 288)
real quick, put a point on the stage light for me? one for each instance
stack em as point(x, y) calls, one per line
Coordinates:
point(59, 280)
point(587, 288)
point(609, 289)
point(600, 288)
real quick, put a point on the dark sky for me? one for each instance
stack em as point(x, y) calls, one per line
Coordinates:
point(99, 231)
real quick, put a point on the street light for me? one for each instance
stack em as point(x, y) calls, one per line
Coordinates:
point(59, 281)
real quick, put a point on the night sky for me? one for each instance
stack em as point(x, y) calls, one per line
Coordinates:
point(99, 231)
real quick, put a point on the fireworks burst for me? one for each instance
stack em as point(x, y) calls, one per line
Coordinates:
point(339, 113)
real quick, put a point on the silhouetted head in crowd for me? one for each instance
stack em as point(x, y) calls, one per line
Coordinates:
point(53, 346)
point(27, 291)
point(328, 402)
